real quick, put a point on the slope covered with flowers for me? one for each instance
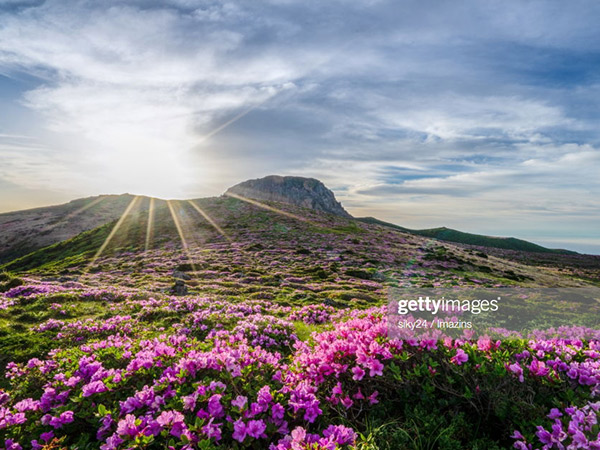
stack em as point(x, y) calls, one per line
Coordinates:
point(281, 342)
point(190, 372)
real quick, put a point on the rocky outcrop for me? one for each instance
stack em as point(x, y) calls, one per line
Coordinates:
point(305, 192)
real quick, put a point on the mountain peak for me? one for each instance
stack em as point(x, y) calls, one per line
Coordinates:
point(306, 192)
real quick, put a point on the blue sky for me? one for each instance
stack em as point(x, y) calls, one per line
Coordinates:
point(481, 116)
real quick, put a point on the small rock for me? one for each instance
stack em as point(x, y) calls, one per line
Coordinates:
point(179, 288)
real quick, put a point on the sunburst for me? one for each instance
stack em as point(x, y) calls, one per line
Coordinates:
point(112, 233)
point(267, 207)
point(214, 224)
point(73, 214)
point(180, 232)
point(150, 225)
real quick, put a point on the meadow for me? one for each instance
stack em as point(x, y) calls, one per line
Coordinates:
point(279, 340)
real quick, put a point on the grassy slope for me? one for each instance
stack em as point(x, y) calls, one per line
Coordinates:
point(26, 231)
point(72, 252)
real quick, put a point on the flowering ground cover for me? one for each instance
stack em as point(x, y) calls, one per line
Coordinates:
point(281, 342)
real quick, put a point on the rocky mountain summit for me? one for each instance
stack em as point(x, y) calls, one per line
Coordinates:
point(299, 191)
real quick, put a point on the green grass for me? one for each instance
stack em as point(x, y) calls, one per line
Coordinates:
point(303, 330)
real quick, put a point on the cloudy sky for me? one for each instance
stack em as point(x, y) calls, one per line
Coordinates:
point(481, 116)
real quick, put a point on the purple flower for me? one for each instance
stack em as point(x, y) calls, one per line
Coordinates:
point(256, 429)
point(544, 436)
point(277, 411)
point(340, 434)
point(46, 436)
point(215, 408)
point(264, 396)
point(12, 445)
point(240, 401)
point(95, 387)
point(517, 370)
point(239, 430)
point(517, 435)
point(212, 430)
point(554, 414)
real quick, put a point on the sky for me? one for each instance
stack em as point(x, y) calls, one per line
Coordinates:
point(476, 115)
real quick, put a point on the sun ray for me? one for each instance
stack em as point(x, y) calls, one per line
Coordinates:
point(177, 225)
point(150, 226)
point(112, 233)
point(234, 119)
point(268, 208)
point(179, 228)
point(210, 220)
point(73, 214)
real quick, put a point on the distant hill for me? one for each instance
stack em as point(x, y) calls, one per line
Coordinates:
point(459, 237)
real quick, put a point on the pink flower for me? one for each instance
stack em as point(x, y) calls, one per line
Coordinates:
point(174, 419)
point(358, 372)
point(376, 368)
point(347, 402)
point(373, 398)
point(460, 357)
point(128, 426)
point(337, 389)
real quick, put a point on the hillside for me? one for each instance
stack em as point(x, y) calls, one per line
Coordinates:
point(149, 330)
point(22, 232)
point(277, 234)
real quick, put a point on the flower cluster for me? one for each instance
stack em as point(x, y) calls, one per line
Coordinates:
point(29, 290)
point(313, 314)
point(237, 375)
point(572, 429)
